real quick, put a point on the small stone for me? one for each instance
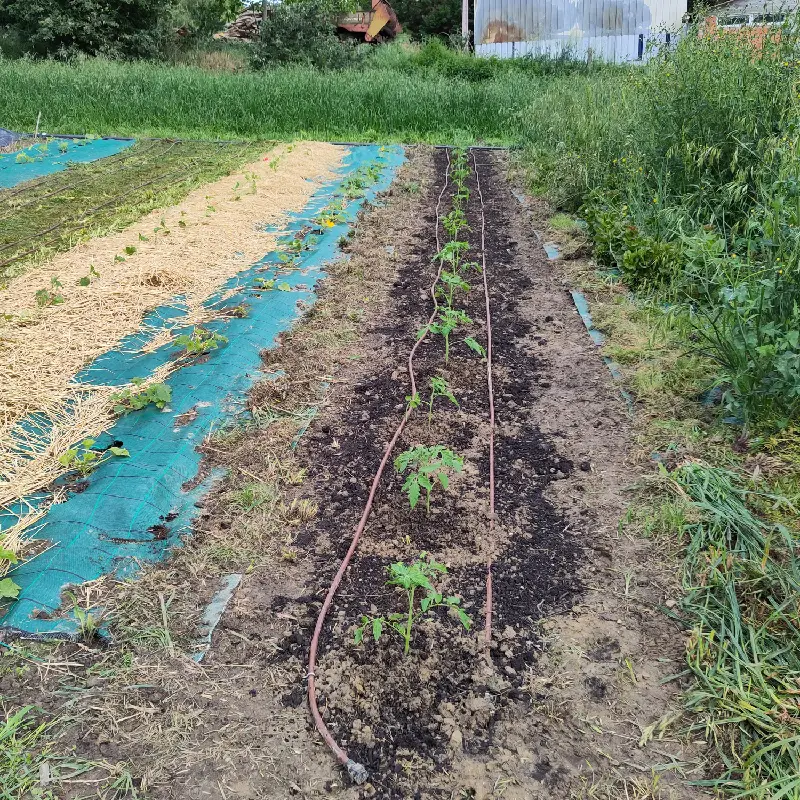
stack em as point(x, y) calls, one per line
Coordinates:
point(456, 739)
point(509, 633)
point(670, 603)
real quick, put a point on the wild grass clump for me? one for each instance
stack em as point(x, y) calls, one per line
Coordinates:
point(742, 581)
point(688, 175)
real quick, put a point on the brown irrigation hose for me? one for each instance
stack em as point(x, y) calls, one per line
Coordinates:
point(358, 772)
point(488, 625)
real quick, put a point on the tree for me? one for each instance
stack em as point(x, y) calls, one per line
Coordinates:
point(303, 32)
point(66, 28)
point(424, 18)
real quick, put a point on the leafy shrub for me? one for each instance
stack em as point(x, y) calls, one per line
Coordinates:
point(68, 28)
point(303, 33)
point(688, 174)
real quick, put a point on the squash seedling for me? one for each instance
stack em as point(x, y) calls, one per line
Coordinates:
point(200, 342)
point(159, 394)
point(8, 589)
point(426, 466)
point(411, 579)
point(84, 460)
point(49, 297)
point(87, 279)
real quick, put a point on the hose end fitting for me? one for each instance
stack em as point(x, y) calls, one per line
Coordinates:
point(357, 772)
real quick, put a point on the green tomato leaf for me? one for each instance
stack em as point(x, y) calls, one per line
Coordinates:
point(118, 451)
point(377, 628)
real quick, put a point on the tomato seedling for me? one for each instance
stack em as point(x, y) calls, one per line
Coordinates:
point(412, 578)
point(427, 466)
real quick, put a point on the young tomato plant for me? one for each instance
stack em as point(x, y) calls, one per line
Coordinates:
point(453, 253)
point(159, 394)
point(200, 341)
point(411, 579)
point(426, 466)
point(455, 222)
point(475, 345)
point(452, 281)
point(449, 320)
point(84, 460)
point(439, 388)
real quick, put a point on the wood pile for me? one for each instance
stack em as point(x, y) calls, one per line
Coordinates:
point(244, 27)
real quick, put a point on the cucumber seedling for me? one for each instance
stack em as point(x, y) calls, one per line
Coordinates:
point(427, 466)
point(413, 580)
point(200, 341)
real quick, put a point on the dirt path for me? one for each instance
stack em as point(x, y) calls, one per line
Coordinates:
point(579, 650)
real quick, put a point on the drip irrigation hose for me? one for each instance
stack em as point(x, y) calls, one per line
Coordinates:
point(356, 771)
point(490, 387)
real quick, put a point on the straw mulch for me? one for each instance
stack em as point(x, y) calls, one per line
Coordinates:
point(186, 250)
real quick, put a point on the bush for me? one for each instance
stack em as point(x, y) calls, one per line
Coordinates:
point(688, 172)
point(303, 33)
point(68, 28)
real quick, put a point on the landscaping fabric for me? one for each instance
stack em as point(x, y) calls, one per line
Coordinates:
point(53, 155)
point(133, 510)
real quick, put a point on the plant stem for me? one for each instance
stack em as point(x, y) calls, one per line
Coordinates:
point(410, 621)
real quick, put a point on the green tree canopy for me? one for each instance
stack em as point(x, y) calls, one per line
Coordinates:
point(65, 28)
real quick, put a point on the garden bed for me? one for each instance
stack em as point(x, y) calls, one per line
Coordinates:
point(541, 712)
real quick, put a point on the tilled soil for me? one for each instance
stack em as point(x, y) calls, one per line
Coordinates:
point(573, 675)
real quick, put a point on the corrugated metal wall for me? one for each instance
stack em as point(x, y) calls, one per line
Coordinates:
point(614, 30)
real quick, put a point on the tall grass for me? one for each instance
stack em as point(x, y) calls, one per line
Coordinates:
point(688, 173)
point(363, 104)
point(742, 579)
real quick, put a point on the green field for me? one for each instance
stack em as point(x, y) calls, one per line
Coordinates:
point(373, 104)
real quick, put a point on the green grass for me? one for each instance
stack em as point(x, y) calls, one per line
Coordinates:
point(360, 104)
point(107, 195)
point(26, 755)
point(685, 171)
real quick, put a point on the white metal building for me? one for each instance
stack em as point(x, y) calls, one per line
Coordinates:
point(614, 30)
